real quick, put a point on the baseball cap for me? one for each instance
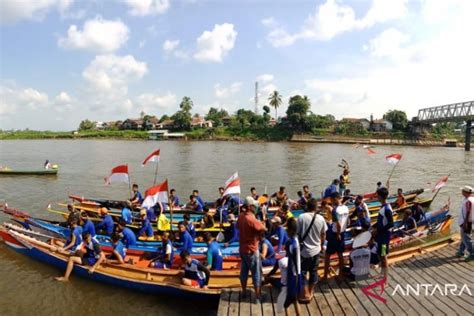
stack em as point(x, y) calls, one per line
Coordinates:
point(467, 189)
point(250, 201)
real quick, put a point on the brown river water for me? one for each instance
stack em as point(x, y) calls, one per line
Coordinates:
point(27, 287)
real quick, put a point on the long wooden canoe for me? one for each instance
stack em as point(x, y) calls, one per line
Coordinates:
point(43, 172)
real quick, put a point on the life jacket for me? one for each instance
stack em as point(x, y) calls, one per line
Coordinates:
point(163, 252)
point(191, 271)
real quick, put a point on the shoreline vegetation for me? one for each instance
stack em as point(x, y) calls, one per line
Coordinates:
point(299, 124)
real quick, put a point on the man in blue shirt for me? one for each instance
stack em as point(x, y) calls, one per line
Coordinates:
point(330, 190)
point(165, 255)
point(87, 226)
point(193, 204)
point(118, 254)
point(198, 197)
point(185, 238)
point(214, 254)
point(231, 232)
point(127, 213)
point(174, 198)
point(107, 223)
point(189, 225)
point(146, 230)
point(128, 236)
point(384, 226)
point(280, 233)
point(137, 198)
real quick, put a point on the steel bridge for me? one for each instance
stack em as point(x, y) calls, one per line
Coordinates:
point(456, 112)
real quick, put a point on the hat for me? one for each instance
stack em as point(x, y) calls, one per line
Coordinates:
point(361, 239)
point(250, 201)
point(467, 189)
point(103, 210)
point(231, 217)
point(142, 212)
point(276, 220)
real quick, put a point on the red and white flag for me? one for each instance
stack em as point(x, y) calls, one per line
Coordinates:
point(370, 151)
point(232, 185)
point(441, 183)
point(393, 159)
point(157, 193)
point(118, 174)
point(153, 157)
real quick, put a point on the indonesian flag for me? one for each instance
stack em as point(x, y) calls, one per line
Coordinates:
point(370, 151)
point(153, 157)
point(441, 183)
point(157, 193)
point(232, 185)
point(393, 159)
point(118, 174)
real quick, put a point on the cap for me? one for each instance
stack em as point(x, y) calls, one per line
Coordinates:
point(103, 210)
point(361, 239)
point(467, 189)
point(231, 217)
point(276, 219)
point(142, 212)
point(250, 201)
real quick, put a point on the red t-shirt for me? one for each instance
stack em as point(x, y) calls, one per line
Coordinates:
point(249, 229)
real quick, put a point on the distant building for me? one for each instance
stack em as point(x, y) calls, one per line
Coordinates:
point(201, 122)
point(226, 120)
point(362, 121)
point(133, 124)
point(151, 123)
point(165, 124)
point(272, 122)
point(381, 125)
point(99, 125)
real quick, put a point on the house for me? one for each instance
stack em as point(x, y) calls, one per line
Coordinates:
point(381, 125)
point(133, 124)
point(272, 122)
point(362, 121)
point(99, 125)
point(151, 123)
point(165, 124)
point(226, 120)
point(201, 122)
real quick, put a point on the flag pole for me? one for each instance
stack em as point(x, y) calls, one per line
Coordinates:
point(391, 173)
point(170, 203)
point(129, 184)
point(437, 191)
point(156, 173)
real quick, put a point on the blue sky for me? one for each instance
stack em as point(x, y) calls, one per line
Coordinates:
point(62, 61)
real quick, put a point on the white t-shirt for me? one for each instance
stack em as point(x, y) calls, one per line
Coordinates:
point(283, 265)
point(342, 212)
point(360, 261)
point(312, 242)
point(464, 207)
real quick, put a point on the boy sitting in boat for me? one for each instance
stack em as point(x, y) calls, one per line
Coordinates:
point(207, 220)
point(137, 197)
point(165, 254)
point(88, 254)
point(74, 240)
point(193, 204)
point(119, 252)
point(195, 273)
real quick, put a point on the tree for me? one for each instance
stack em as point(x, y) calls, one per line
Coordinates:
point(297, 113)
point(164, 118)
point(275, 101)
point(86, 125)
point(266, 113)
point(182, 120)
point(398, 119)
point(217, 116)
point(186, 104)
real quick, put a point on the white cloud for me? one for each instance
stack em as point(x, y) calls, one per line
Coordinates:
point(152, 103)
point(112, 73)
point(388, 43)
point(147, 7)
point(12, 11)
point(331, 19)
point(170, 45)
point(213, 45)
point(98, 35)
point(225, 92)
point(264, 78)
point(16, 99)
point(63, 98)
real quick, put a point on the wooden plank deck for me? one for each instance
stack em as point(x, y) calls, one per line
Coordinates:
point(439, 267)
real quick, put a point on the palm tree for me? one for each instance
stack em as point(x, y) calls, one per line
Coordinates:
point(186, 104)
point(275, 101)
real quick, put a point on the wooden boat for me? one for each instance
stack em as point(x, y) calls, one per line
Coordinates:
point(42, 172)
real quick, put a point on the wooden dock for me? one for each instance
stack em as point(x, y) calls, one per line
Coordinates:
point(439, 267)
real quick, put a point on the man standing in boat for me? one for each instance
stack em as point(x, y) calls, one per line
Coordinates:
point(250, 229)
point(465, 219)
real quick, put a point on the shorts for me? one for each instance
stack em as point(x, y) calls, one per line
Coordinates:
point(310, 265)
point(161, 265)
point(198, 283)
point(334, 245)
point(251, 262)
point(88, 261)
point(383, 249)
point(270, 262)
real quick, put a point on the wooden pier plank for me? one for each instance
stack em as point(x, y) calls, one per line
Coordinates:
point(234, 303)
point(223, 309)
point(338, 293)
point(267, 302)
point(331, 300)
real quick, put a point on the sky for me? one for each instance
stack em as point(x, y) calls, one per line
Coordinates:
point(62, 61)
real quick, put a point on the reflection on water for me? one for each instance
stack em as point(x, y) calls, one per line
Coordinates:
point(187, 165)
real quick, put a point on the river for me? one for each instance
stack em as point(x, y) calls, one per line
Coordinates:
point(28, 287)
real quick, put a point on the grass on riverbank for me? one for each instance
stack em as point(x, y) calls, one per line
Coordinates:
point(28, 134)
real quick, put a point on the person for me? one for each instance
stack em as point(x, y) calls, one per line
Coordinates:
point(307, 193)
point(231, 232)
point(348, 197)
point(344, 181)
point(152, 211)
point(311, 233)
point(280, 234)
point(127, 213)
point(146, 229)
point(73, 241)
point(128, 236)
point(174, 198)
point(119, 252)
point(73, 213)
point(281, 265)
point(362, 214)
point(207, 220)
point(302, 200)
point(166, 254)
point(335, 236)
point(284, 212)
point(189, 225)
point(185, 238)
point(417, 211)
point(384, 225)
point(47, 164)
point(137, 198)
point(221, 201)
point(409, 223)
point(193, 204)
point(326, 210)
point(465, 219)
point(214, 254)
point(294, 276)
point(198, 198)
point(89, 255)
point(195, 273)
point(253, 193)
point(267, 252)
point(330, 190)
point(359, 258)
point(250, 229)
point(379, 185)
point(107, 223)
point(279, 198)
point(87, 226)
point(401, 201)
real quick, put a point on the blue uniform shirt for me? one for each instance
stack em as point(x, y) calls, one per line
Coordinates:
point(119, 247)
point(127, 215)
point(330, 190)
point(384, 223)
point(282, 237)
point(192, 230)
point(271, 250)
point(200, 201)
point(150, 214)
point(214, 256)
point(187, 241)
point(88, 227)
point(129, 238)
point(78, 233)
point(107, 224)
point(146, 228)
